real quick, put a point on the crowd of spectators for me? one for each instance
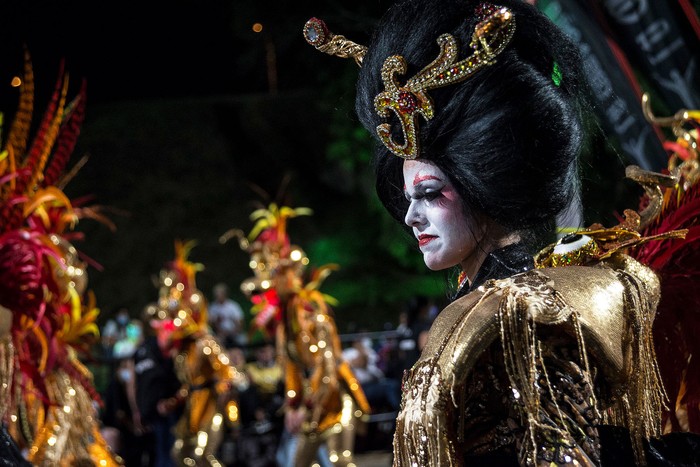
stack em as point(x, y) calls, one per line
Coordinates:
point(140, 410)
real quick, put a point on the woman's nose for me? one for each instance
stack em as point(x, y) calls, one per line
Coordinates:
point(414, 216)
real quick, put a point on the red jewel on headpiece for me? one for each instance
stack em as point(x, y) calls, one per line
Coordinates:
point(484, 10)
point(407, 102)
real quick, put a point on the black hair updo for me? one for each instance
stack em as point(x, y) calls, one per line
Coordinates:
point(508, 137)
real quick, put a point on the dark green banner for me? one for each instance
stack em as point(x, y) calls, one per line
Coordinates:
point(616, 94)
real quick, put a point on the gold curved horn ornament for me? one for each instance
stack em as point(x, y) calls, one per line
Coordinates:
point(317, 34)
point(652, 183)
point(684, 160)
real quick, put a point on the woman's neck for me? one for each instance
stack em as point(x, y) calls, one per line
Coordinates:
point(472, 264)
point(500, 263)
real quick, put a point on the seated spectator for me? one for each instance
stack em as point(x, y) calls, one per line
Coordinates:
point(236, 357)
point(399, 353)
point(382, 393)
point(132, 338)
point(260, 408)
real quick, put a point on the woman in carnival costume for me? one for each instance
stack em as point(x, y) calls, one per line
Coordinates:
point(323, 397)
point(541, 358)
point(48, 395)
point(207, 377)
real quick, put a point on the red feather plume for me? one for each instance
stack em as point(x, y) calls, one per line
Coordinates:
point(677, 323)
point(677, 262)
point(40, 141)
point(67, 137)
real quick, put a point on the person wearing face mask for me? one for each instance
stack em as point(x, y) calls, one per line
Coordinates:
point(544, 356)
point(121, 417)
point(156, 383)
point(114, 330)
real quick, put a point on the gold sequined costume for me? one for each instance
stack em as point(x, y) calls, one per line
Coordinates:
point(331, 394)
point(207, 376)
point(560, 349)
point(200, 363)
point(292, 309)
point(523, 317)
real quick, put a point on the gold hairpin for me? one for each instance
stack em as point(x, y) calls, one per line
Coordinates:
point(317, 34)
point(491, 36)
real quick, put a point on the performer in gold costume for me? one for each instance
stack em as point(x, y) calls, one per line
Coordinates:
point(207, 377)
point(541, 359)
point(47, 393)
point(323, 398)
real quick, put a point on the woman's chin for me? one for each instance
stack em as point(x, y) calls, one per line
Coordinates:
point(436, 265)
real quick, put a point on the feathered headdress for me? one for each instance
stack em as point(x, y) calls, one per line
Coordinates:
point(272, 255)
point(181, 310)
point(43, 283)
point(278, 267)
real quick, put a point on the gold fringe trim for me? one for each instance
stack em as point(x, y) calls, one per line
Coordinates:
point(640, 408)
point(7, 365)
point(70, 433)
point(524, 365)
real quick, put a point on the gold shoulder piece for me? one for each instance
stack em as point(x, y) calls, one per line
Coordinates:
point(607, 311)
point(596, 296)
point(464, 329)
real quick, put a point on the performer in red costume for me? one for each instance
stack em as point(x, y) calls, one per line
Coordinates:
point(48, 315)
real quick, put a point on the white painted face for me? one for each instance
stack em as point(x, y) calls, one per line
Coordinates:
point(436, 216)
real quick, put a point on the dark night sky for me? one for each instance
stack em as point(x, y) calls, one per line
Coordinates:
point(123, 49)
point(140, 49)
point(180, 121)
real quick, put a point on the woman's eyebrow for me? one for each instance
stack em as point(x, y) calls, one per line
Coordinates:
point(421, 178)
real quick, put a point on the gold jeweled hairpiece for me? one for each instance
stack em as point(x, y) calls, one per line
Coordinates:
point(491, 36)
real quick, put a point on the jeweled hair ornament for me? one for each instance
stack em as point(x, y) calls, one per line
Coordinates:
point(317, 34)
point(491, 35)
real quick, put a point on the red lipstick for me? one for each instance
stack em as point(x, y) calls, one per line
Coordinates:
point(424, 239)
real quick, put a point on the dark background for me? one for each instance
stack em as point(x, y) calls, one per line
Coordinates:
point(193, 120)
